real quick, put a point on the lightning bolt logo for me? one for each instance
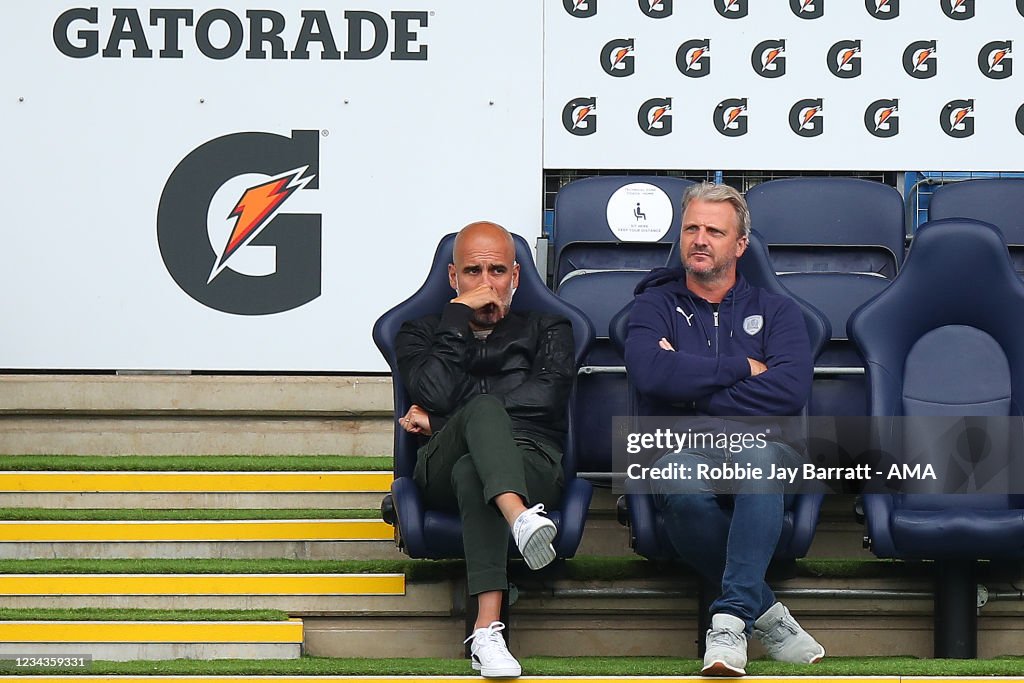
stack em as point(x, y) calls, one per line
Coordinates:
point(805, 5)
point(620, 54)
point(847, 56)
point(579, 4)
point(581, 114)
point(655, 4)
point(997, 57)
point(657, 114)
point(879, 4)
point(883, 116)
point(808, 116)
point(955, 5)
point(695, 56)
point(254, 211)
point(922, 57)
point(733, 114)
point(730, 4)
point(960, 115)
point(769, 57)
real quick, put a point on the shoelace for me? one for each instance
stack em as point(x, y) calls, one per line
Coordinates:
point(725, 637)
point(492, 632)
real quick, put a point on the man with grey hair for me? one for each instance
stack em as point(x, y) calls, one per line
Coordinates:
point(702, 342)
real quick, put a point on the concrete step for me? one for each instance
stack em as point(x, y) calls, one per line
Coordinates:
point(189, 490)
point(186, 414)
point(122, 641)
point(310, 539)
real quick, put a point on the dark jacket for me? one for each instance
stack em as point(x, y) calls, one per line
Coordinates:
point(527, 361)
point(708, 373)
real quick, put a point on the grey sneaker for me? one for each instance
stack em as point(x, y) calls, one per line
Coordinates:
point(726, 652)
point(489, 655)
point(533, 533)
point(784, 639)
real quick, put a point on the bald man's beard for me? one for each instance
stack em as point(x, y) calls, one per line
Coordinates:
point(487, 317)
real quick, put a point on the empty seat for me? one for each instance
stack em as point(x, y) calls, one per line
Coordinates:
point(999, 201)
point(616, 223)
point(836, 242)
point(939, 342)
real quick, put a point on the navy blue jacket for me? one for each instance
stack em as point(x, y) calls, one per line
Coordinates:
point(708, 373)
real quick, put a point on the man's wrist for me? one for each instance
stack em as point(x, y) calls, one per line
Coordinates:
point(456, 315)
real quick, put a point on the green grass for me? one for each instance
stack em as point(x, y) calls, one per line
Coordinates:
point(115, 614)
point(547, 666)
point(61, 515)
point(414, 570)
point(579, 569)
point(195, 463)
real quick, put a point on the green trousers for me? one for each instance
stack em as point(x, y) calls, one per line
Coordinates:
point(471, 460)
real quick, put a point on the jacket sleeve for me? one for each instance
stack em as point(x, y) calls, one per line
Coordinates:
point(544, 395)
point(432, 361)
point(672, 376)
point(784, 388)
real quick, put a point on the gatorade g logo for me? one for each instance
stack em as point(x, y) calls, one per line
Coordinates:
point(919, 59)
point(654, 117)
point(957, 119)
point(844, 59)
point(656, 9)
point(580, 9)
point(767, 58)
point(808, 9)
point(995, 61)
point(958, 9)
point(1020, 119)
point(579, 116)
point(732, 9)
point(805, 118)
point(223, 229)
point(731, 117)
point(617, 57)
point(881, 118)
point(693, 58)
point(883, 9)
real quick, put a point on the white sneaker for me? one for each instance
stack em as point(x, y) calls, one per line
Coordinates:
point(726, 651)
point(533, 533)
point(784, 639)
point(489, 655)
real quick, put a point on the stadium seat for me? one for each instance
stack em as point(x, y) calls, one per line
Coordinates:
point(940, 342)
point(583, 238)
point(601, 389)
point(597, 265)
point(836, 242)
point(435, 534)
point(647, 535)
point(999, 201)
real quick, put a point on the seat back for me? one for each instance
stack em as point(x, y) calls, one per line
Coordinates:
point(938, 342)
point(999, 201)
point(837, 242)
point(531, 295)
point(615, 223)
point(601, 390)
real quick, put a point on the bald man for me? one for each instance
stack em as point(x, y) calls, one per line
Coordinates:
point(489, 388)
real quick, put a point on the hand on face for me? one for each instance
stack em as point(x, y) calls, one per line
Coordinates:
point(484, 299)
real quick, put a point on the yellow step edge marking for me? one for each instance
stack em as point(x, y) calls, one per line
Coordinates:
point(151, 631)
point(195, 482)
point(184, 531)
point(202, 584)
